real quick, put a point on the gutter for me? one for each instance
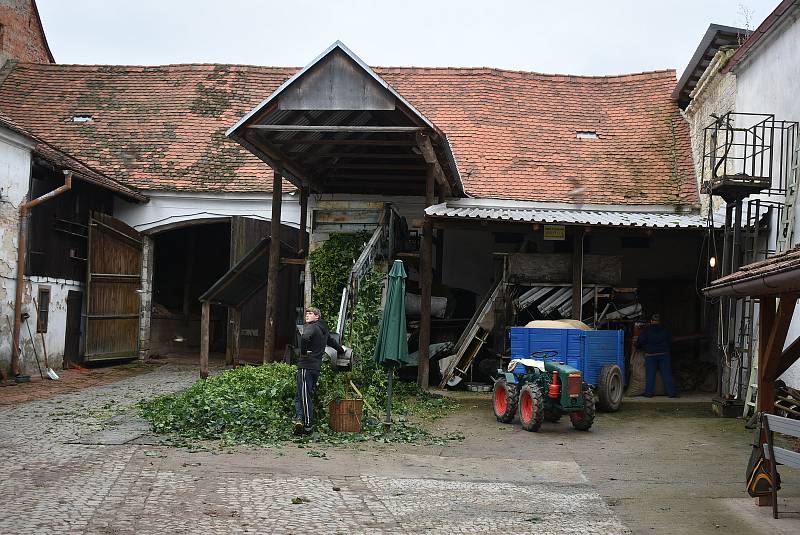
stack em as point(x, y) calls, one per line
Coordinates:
point(769, 284)
point(22, 247)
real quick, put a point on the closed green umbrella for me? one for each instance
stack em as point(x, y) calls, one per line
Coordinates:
point(391, 351)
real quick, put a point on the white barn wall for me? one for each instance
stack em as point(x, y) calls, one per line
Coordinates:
point(768, 82)
point(15, 171)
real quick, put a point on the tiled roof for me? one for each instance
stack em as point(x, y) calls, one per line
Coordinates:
point(777, 274)
point(63, 160)
point(513, 133)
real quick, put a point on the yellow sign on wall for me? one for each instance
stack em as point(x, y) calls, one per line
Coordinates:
point(555, 232)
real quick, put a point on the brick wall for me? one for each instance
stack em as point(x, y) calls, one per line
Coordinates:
point(715, 93)
point(21, 35)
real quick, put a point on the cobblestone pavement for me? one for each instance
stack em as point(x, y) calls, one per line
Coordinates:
point(66, 471)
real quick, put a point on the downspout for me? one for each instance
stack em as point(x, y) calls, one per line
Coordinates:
point(22, 247)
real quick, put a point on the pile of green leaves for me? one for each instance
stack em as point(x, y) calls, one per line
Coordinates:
point(255, 404)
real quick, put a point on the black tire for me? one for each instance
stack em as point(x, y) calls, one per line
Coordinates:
point(583, 420)
point(504, 401)
point(531, 407)
point(552, 416)
point(609, 388)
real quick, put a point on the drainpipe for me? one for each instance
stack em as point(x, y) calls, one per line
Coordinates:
point(21, 253)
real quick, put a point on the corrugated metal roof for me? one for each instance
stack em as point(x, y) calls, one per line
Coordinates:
point(608, 218)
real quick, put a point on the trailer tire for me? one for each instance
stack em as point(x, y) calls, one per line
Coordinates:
point(583, 420)
point(504, 401)
point(531, 407)
point(609, 388)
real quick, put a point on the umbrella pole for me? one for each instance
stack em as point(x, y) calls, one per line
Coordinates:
point(388, 423)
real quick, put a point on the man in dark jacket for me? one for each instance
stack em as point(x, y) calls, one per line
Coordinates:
point(656, 341)
point(316, 336)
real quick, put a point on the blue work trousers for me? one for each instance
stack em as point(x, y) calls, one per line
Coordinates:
point(653, 363)
point(304, 396)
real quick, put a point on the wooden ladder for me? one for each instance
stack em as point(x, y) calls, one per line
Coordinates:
point(471, 340)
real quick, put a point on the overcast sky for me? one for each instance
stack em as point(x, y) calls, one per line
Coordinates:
point(576, 37)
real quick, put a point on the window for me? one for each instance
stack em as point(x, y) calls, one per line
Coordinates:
point(587, 134)
point(82, 118)
point(43, 309)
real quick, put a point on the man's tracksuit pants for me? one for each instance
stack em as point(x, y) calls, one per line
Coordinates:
point(304, 396)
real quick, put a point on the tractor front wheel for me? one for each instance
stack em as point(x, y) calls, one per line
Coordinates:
point(531, 407)
point(504, 401)
point(583, 420)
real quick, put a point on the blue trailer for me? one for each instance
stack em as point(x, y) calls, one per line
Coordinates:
point(599, 355)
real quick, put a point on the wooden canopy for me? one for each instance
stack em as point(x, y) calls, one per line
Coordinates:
point(337, 127)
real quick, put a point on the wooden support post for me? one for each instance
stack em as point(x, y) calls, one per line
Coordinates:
point(577, 273)
point(302, 238)
point(780, 328)
point(272, 271)
point(426, 275)
point(205, 320)
point(236, 325)
point(766, 390)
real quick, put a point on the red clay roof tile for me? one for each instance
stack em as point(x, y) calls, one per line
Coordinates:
point(513, 133)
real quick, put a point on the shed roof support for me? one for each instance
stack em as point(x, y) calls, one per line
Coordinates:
point(272, 270)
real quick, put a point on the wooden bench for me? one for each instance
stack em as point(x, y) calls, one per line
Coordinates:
point(771, 423)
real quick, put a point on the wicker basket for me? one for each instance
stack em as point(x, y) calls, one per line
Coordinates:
point(345, 415)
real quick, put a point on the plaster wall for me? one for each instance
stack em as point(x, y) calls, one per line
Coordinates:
point(15, 170)
point(767, 82)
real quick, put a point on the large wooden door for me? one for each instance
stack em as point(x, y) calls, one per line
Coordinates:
point(112, 302)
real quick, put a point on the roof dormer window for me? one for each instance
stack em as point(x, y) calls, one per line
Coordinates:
point(586, 134)
point(82, 118)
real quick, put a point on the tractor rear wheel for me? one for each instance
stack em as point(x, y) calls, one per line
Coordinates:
point(609, 388)
point(583, 420)
point(504, 401)
point(531, 407)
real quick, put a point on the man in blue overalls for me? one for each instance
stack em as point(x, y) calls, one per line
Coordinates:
point(656, 341)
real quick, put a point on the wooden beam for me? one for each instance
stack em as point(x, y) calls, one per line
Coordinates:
point(359, 142)
point(777, 337)
point(766, 389)
point(272, 270)
point(426, 147)
point(302, 235)
point(205, 320)
point(426, 275)
point(374, 167)
point(577, 273)
point(336, 129)
point(234, 347)
point(293, 261)
point(365, 156)
point(789, 356)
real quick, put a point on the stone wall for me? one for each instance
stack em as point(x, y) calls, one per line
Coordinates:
point(715, 94)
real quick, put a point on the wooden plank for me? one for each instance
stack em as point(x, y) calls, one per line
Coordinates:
point(336, 128)
point(336, 82)
point(355, 142)
point(364, 156)
point(204, 338)
point(293, 261)
point(272, 271)
point(234, 347)
point(789, 356)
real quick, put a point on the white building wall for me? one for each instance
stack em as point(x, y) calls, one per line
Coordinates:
point(768, 82)
point(15, 171)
